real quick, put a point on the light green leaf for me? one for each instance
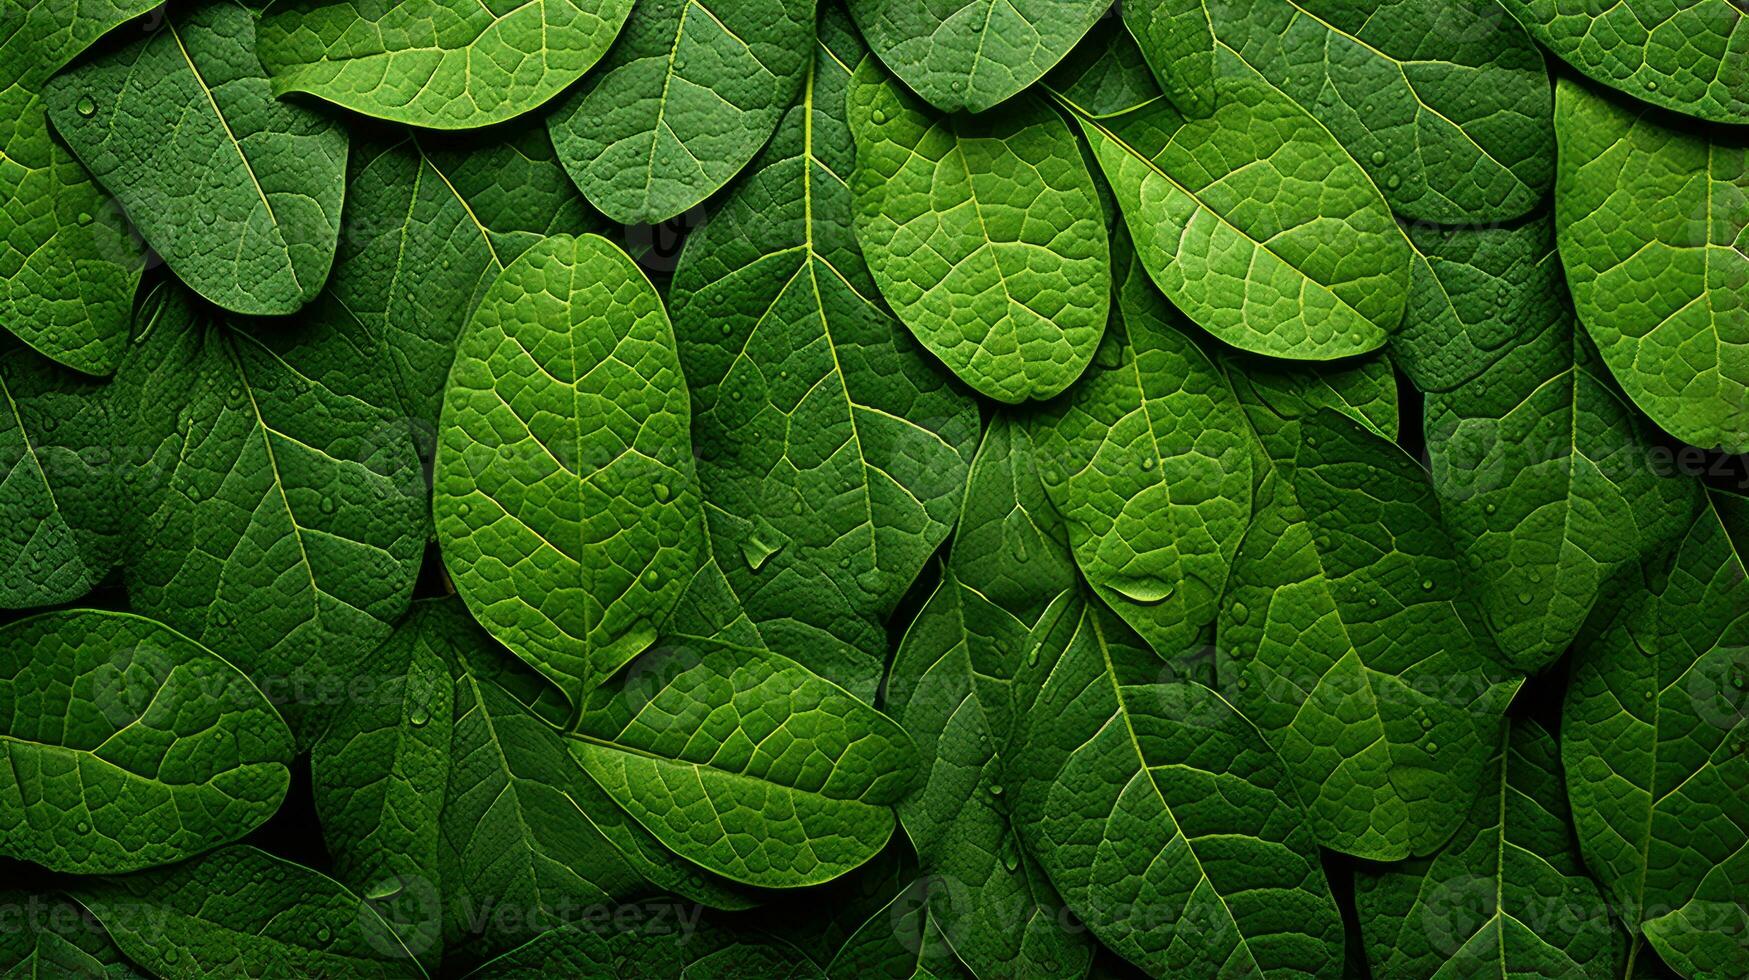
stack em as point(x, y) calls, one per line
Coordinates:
point(973, 54)
point(243, 912)
point(1179, 45)
point(950, 689)
point(1255, 222)
point(985, 236)
point(1506, 896)
point(430, 223)
point(57, 482)
point(1653, 222)
point(1344, 637)
point(445, 64)
point(1149, 463)
point(1165, 820)
point(832, 452)
point(687, 96)
point(128, 745)
point(1691, 56)
point(69, 261)
point(1011, 545)
point(749, 764)
point(1444, 102)
point(274, 512)
point(239, 192)
point(661, 949)
point(1655, 738)
point(1547, 478)
point(566, 502)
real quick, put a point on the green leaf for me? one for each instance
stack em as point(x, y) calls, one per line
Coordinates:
point(1148, 461)
point(658, 949)
point(1011, 545)
point(1277, 395)
point(380, 769)
point(1179, 45)
point(901, 941)
point(274, 512)
point(1345, 636)
point(57, 455)
point(687, 96)
point(1702, 938)
point(1473, 295)
point(69, 262)
point(973, 54)
point(1692, 57)
point(128, 745)
point(1317, 273)
point(1506, 896)
point(566, 502)
point(1653, 221)
point(1546, 477)
point(49, 936)
point(239, 192)
point(1163, 817)
point(749, 764)
point(243, 912)
point(430, 223)
point(1656, 745)
point(950, 689)
point(985, 236)
point(1444, 102)
point(1106, 74)
point(445, 64)
point(832, 452)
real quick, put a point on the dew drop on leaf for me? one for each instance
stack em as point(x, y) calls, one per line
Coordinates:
point(86, 106)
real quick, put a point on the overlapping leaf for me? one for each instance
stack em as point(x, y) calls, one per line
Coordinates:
point(128, 745)
point(1177, 41)
point(1344, 637)
point(443, 64)
point(1652, 217)
point(566, 502)
point(1444, 102)
point(238, 191)
point(972, 54)
point(1163, 817)
point(1255, 222)
point(274, 512)
point(1011, 544)
point(69, 262)
point(1655, 740)
point(687, 96)
point(1148, 461)
point(833, 454)
point(984, 234)
point(1506, 896)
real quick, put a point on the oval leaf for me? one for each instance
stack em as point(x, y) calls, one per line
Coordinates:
point(238, 191)
point(566, 502)
point(443, 64)
point(985, 235)
point(128, 745)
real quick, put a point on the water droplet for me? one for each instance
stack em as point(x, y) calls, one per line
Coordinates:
point(735, 395)
point(797, 508)
point(1394, 182)
point(1652, 86)
point(1244, 682)
point(1378, 157)
point(324, 934)
point(1427, 585)
point(880, 116)
point(1490, 508)
point(463, 508)
point(1147, 463)
point(418, 716)
point(726, 330)
point(1032, 656)
point(327, 505)
point(83, 828)
point(1146, 591)
point(995, 789)
point(170, 955)
point(1426, 723)
point(1241, 612)
point(652, 579)
point(661, 492)
point(1524, 598)
point(1372, 600)
point(85, 217)
point(86, 106)
point(757, 550)
point(1740, 677)
point(1432, 747)
point(1010, 855)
